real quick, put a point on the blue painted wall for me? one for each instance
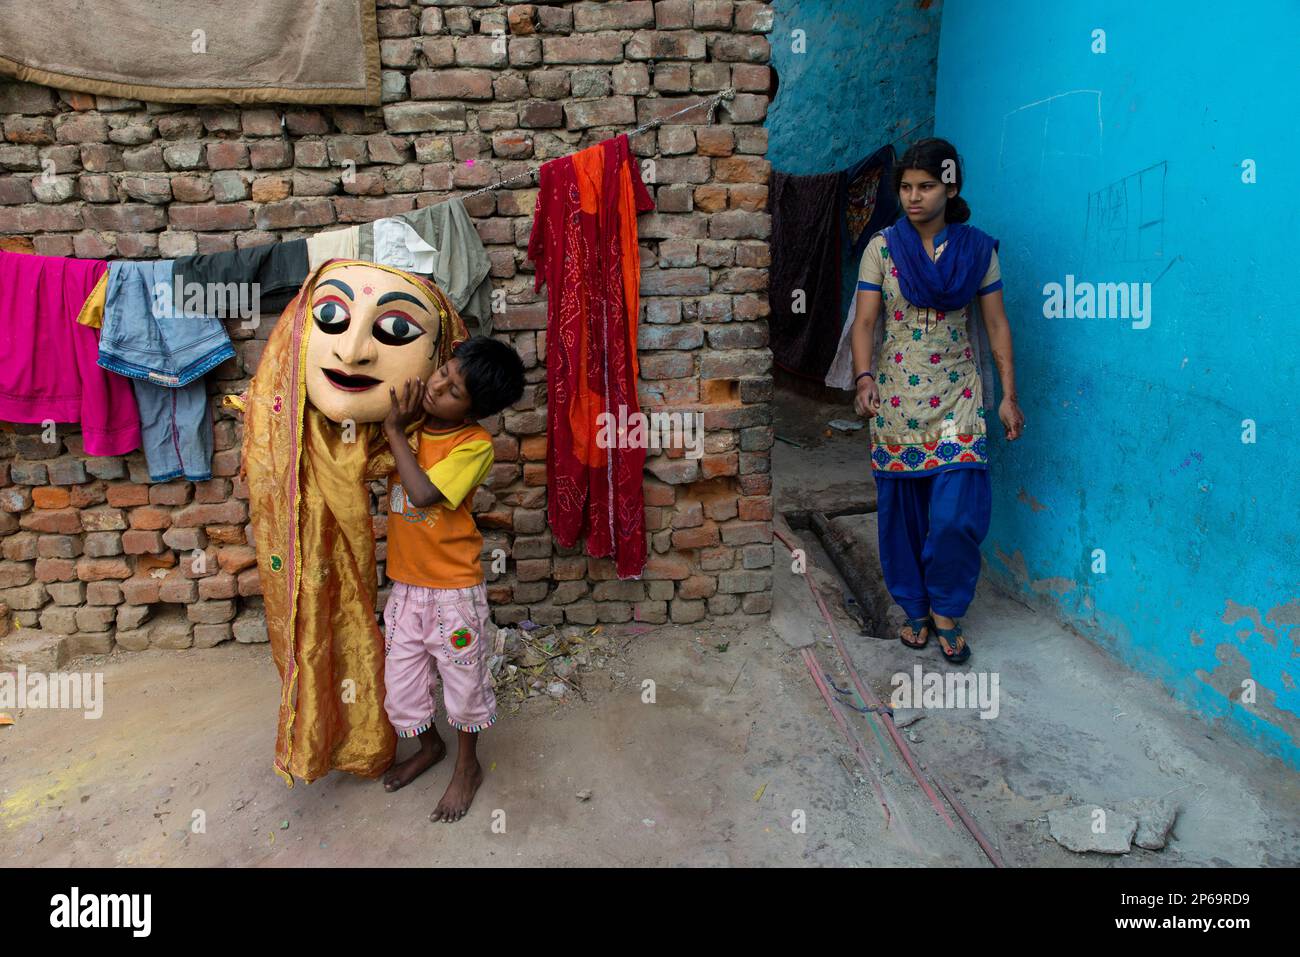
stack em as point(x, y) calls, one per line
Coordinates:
point(864, 77)
point(1126, 166)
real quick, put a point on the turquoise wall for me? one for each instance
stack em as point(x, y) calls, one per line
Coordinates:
point(1126, 166)
point(864, 76)
point(854, 76)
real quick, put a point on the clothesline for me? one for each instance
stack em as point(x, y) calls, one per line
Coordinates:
point(727, 94)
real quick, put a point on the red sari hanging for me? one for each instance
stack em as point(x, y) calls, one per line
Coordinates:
point(584, 245)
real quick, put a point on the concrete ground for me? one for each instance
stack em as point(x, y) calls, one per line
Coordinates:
point(1074, 726)
point(736, 751)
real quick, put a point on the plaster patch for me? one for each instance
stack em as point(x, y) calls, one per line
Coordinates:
point(1032, 502)
point(1234, 668)
point(1233, 612)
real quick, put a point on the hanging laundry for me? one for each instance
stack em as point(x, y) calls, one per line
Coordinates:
point(807, 213)
point(584, 244)
point(439, 241)
point(50, 369)
point(870, 203)
point(226, 279)
point(166, 353)
point(334, 244)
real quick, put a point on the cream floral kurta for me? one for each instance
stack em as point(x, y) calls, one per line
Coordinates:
point(932, 414)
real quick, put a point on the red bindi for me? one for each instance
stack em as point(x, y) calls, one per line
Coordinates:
point(367, 289)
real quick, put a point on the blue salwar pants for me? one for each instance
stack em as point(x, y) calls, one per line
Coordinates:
point(930, 532)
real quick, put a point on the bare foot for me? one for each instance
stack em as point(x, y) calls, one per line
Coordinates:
point(460, 792)
point(401, 773)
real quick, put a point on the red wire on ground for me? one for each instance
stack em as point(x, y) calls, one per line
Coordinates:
point(872, 701)
point(869, 697)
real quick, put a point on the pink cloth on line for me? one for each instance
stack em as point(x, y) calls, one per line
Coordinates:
point(49, 364)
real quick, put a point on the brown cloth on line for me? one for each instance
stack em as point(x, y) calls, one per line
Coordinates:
point(807, 214)
point(197, 51)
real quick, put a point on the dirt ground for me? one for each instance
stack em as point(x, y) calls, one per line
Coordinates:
point(735, 751)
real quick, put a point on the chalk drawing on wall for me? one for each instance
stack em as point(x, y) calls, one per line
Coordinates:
point(1063, 125)
point(1126, 218)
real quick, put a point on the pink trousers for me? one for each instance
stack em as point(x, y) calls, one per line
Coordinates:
point(432, 633)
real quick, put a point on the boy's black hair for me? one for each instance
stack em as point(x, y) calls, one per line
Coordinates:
point(493, 373)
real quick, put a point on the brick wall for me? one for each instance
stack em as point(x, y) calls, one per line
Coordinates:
point(93, 551)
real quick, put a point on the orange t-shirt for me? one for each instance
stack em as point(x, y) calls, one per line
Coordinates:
point(439, 546)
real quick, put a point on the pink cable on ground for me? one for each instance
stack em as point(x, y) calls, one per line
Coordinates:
point(872, 701)
point(854, 741)
point(869, 697)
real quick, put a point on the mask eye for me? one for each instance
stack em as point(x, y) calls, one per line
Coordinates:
point(330, 316)
point(396, 329)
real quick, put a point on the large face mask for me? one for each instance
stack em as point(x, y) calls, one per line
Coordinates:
point(370, 329)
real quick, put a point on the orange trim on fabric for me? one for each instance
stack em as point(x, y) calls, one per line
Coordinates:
point(587, 404)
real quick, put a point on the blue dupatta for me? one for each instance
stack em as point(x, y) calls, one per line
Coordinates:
point(952, 281)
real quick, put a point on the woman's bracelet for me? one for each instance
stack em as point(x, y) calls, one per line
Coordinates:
point(858, 378)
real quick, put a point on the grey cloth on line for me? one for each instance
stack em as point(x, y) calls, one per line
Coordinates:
point(461, 265)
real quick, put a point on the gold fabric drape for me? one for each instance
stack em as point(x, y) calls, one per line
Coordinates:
point(310, 508)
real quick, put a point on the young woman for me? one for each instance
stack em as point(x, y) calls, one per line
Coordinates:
point(929, 453)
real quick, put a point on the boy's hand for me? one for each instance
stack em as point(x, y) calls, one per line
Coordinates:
point(405, 410)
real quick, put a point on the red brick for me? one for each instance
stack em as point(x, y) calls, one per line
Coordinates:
point(177, 588)
point(55, 521)
point(97, 569)
point(138, 542)
point(495, 519)
point(533, 569)
point(250, 582)
point(657, 493)
point(534, 448)
point(103, 519)
point(106, 592)
point(671, 567)
point(226, 462)
point(569, 568)
point(226, 534)
point(173, 493)
point(235, 558)
point(747, 533)
point(714, 465)
point(126, 494)
point(221, 585)
point(49, 496)
point(210, 217)
point(141, 590)
point(147, 517)
point(212, 492)
point(85, 496)
point(702, 537)
point(697, 586)
point(56, 569)
point(226, 513)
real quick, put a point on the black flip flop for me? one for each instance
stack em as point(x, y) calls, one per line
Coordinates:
point(916, 624)
point(951, 635)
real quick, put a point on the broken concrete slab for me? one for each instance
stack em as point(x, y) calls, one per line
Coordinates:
point(1088, 828)
point(1155, 817)
point(35, 650)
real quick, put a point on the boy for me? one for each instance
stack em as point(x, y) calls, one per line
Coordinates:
point(437, 619)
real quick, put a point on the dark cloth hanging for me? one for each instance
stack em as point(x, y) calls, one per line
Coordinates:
point(279, 269)
point(870, 200)
point(807, 213)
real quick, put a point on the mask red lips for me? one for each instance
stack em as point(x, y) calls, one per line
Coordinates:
point(349, 383)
